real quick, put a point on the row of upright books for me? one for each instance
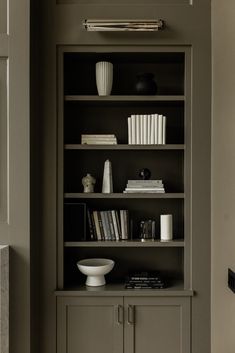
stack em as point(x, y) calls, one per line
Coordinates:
point(144, 280)
point(108, 225)
point(144, 186)
point(146, 129)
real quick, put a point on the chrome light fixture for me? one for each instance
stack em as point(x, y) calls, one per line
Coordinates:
point(123, 25)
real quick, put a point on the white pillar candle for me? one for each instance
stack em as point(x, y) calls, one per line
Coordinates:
point(166, 227)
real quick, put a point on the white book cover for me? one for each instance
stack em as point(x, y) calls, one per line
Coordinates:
point(144, 191)
point(160, 129)
point(141, 129)
point(163, 130)
point(138, 129)
point(97, 226)
point(148, 129)
point(145, 129)
point(139, 182)
point(99, 139)
point(98, 142)
point(152, 139)
point(129, 131)
point(122, 224)
point(156, 188)
point(98, 136)
point(156, 129)
point(126, 221)
point(133, 129)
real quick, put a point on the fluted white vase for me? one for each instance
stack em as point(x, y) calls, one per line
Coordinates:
point(104, 77)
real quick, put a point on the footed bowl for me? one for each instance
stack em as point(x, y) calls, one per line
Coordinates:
point(95, 269)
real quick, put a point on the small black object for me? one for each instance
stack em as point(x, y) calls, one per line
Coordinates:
point(145, 84)
point(231, 280)
point(145, 174)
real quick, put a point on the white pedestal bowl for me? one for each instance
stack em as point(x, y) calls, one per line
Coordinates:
point(95, 269)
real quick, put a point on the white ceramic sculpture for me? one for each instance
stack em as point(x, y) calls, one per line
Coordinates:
point(95, 269)
point(88, 183)
point(104, 77)
point(107, 178)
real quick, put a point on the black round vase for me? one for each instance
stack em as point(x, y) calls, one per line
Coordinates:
point(145, 84)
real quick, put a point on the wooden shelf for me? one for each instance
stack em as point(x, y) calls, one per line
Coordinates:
point(124, 196)
point(175, 290)
point(126, 98)
point(129, 243)
point(124, 147)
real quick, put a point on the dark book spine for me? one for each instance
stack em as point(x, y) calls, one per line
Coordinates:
point(107, 225)
point(101, 226)
point(118, 225)
point(93, 225)
point(111, 225)
point(102, 213)
point(90, 227)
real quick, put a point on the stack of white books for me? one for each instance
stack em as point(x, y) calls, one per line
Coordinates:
point(98, 139)
point(144, 186)
point(146, 129)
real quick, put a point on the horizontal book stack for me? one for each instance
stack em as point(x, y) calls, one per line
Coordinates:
point(108, 225)
point(144, 280)
point(98, 139)
point(144, 186)
point(146, 129)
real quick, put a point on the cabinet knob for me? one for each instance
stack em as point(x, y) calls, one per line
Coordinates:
point(131, 314)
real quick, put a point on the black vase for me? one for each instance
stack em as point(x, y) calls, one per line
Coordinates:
point(145, 84)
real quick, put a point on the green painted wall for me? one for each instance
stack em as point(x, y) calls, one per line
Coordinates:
point(223, 174)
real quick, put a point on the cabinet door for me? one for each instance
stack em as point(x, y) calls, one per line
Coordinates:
point(88, 325)
point(157, 325)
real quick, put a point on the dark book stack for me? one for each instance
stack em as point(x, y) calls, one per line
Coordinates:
point(144, 280)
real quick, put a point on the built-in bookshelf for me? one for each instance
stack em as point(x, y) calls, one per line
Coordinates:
point(82, 111)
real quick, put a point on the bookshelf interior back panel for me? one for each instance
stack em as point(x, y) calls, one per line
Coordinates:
point(168, 68)
point(111, 118)
point(167, 262)
point(165, 165)
point(138, 210)
point(84, 113)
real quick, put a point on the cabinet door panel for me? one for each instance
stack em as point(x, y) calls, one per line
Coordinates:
point(160, 325)
point(88, 325)
point(3, 16)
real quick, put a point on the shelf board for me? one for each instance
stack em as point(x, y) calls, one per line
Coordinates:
point(124, 147)
point(126, 98)
point(81, 195)
point(177, 289)
point(129, 243)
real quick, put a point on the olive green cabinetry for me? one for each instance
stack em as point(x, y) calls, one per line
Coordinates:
point(173, 320)
point(123, 324)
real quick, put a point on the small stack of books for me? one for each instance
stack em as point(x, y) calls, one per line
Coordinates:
point(108, 225)
point(146, 129)
point(144, 186)
point(144, 280)
point(98, 139)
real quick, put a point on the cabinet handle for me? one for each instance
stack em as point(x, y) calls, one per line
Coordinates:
point(131, 315)
point(119, 314)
